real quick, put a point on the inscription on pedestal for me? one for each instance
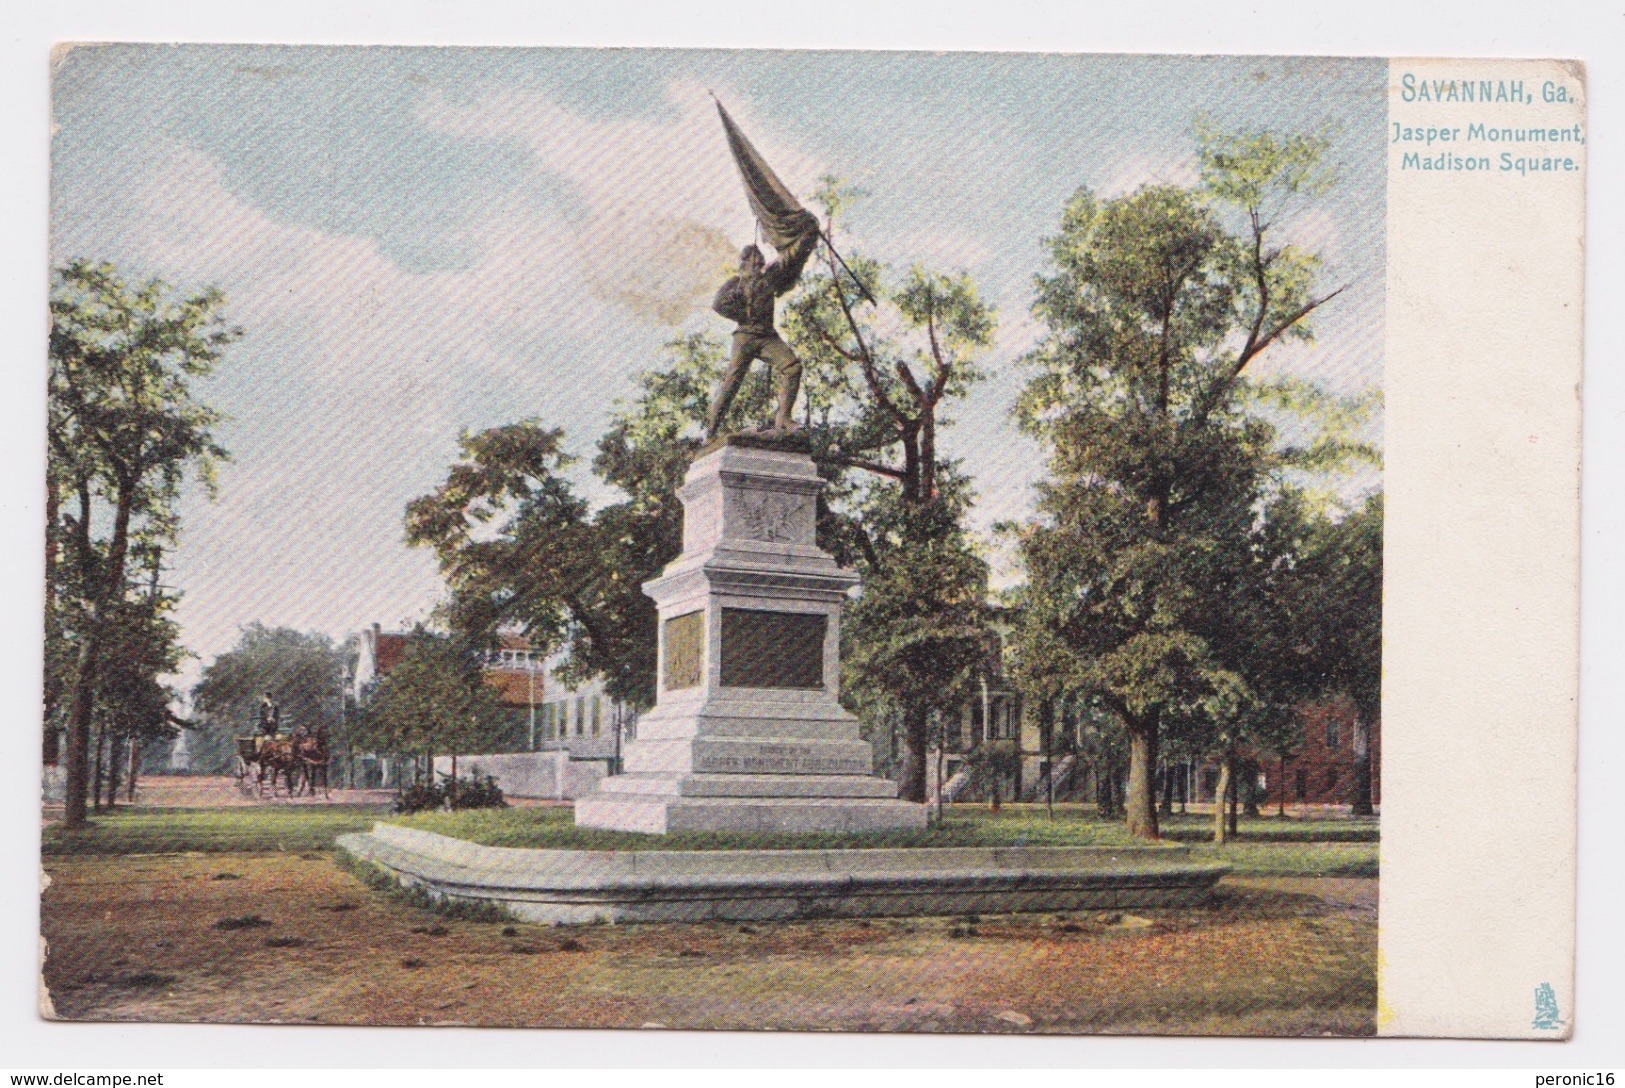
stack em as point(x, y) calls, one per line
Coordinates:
point(762, 649)
point(685, 650)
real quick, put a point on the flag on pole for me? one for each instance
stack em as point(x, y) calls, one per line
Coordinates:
point(777, 211)
point(782, 217)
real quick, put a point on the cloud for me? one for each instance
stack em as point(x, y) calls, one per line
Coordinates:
point(356, 374)
point(350, 385)
point(661, 199)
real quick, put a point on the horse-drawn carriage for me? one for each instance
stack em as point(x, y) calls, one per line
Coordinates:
point(300, 759)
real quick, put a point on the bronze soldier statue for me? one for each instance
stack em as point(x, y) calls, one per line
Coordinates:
point(749, 299)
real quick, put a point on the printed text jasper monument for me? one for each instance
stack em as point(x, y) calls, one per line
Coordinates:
point(748, 733)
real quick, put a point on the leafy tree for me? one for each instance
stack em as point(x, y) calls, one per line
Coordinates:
point(1341, 604)
point(124, 430)
point(920, 634)
point(133, 706)
point(1155, 305)
point(303, 671)
point(435, 699)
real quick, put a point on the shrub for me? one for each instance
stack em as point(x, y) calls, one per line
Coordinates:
point(474, 791)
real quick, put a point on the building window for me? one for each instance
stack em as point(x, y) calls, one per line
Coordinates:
point(596, 714)
point(1332, 734)
point(581, 715)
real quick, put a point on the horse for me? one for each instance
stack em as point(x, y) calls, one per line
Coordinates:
point(276, 757)
point(311, 753)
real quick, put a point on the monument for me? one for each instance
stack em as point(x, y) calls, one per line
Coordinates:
point(748, 733)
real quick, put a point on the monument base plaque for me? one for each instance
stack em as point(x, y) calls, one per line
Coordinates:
point(748, 733)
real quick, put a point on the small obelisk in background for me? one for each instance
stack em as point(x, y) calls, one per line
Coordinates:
point(748, 733)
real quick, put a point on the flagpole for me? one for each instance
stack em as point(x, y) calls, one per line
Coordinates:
point(837, 255)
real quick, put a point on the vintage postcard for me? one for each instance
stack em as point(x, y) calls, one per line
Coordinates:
point(812, 541)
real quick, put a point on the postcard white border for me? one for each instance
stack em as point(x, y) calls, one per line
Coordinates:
point(1481, 628)
point(1378, 28)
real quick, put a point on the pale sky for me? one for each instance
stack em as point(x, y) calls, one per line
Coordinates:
point(418, 241)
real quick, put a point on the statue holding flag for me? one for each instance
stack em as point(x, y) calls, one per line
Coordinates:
point(750, 298)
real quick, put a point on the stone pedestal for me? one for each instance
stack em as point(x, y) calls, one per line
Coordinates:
point(748, 733)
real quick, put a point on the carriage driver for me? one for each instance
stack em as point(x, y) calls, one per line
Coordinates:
point(270, 716)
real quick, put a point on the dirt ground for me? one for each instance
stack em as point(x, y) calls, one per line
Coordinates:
point(293, 938)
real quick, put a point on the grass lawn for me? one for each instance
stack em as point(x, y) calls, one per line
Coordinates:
point(1263, 848)
point(1254, 852)
point(212, 830)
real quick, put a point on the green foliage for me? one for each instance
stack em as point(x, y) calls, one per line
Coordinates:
point(917, 637)
point(1254, 852)
point(212, 831)
point(123, 431)
point(1161, 564)
point(1339, 588)
point(435, 699)
point(994, 765)
point(520, 550)
point(303, 672)
point(473, 791)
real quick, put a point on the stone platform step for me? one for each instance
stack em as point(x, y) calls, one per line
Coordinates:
point(574, 887)
point(659, 815)
point(748, 785)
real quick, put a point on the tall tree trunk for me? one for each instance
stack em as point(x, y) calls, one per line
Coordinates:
point(1280, 791)
point(1167, 791)
point(1221, 791)
point(1114, 789)
point(942, 758)
point(53, 680)
point(995, 776)
point(1361, 801)
point(111, 579)
point(1249, 789)
point(1233, 798)
point(76, 783)
point(98, 775)
point(911, 779)
point(1046, 725)
point(1140, 805)
point(115, 751)
point(135, 769)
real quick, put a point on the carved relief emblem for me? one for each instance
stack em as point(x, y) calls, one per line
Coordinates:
point(772, 517)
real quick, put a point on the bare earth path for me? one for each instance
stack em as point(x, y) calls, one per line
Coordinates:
point(292, 938)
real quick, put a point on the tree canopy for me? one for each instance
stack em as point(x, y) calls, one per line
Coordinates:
point(1150, 565)
point(434, 700)
point(124, 430)
point(303, 671)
